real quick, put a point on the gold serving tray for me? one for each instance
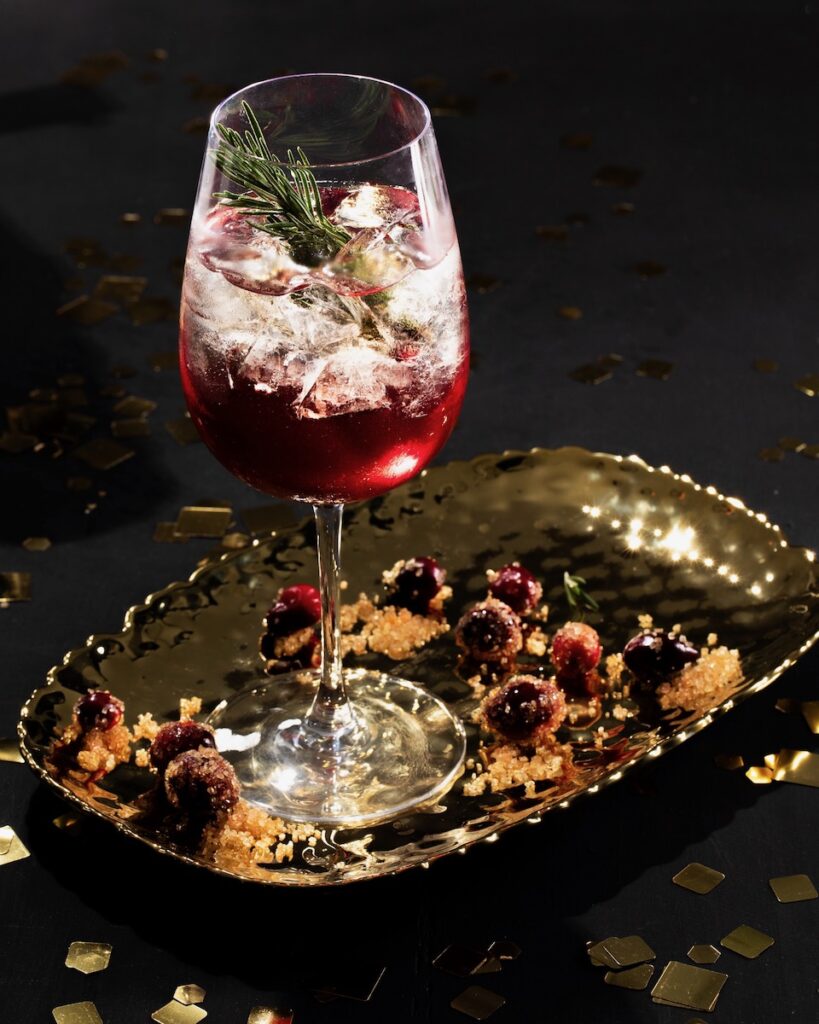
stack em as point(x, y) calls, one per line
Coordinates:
point(646, 540)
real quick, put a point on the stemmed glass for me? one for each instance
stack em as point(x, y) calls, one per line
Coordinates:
point(324, 356)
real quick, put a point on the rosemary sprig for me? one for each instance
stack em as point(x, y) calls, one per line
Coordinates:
point(579, 601)
point(282, 197)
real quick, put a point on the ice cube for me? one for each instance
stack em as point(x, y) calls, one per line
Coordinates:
point(354, 380)
point(368, 263)
point(375, 206)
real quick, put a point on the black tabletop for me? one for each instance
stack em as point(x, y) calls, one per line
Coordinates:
point(714, 105)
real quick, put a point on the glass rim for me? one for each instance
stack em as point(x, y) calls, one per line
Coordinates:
point(427, 115)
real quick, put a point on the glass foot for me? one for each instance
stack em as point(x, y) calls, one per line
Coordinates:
point(397, 748)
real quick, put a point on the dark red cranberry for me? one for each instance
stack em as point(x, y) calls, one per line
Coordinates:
point(575, 650)
point(655, 654)
point(174, 738)
point(516, 587)
point(489, 632)
point(99, 709)
point(524, 706)
point(416, 583)
point(201, 784)
point(295, 608)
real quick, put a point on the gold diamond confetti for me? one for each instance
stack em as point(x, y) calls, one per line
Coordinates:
point(134, 427)
point(85, 250)
point(698, 878)
point(270, 1015)
point(88, 957)
point(131, 406)
point(623, 209)
point(189, 994)
point(791, 444)
point(650, 268)
point(203, 521)
point(15, 586)
point(759, 776)
point(808, 385)
point(14, 443)
point(657, 369)
point(152, 310)
point(730, 762)
point(10, 751)
point(267, 519)
point(616, 176)
point(570, 312)
point(11, 846)
point(477, 1002)
point(576, 140)
point(165, 533)
point(172, 215)
point(692, 988)
point(36, 543)
point(359, 982)
point(87, 311)
point(592, 373)
point(552, 232)
point(810, 712)
point(765, 365)
point(130, 218)
point(492, 965)
point(76, 1013)
point(67, 823)
point(102, 453)
point(793, 888)
point(810, 451)
point(183, 430)
point(635, 978)
point(158, 54)
point(483, 283)
point(771, 454)
point(747, 941)
point(460, 960)
point(798, 766)
point(120, 288)
point(705, 954)
point(505, 950)
point(177, 1013)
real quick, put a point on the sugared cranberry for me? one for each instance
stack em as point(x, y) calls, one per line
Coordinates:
point(99, 709)
point(174, 738)
point(295, 608)
point(516, 587)
point(201, 784)
point(655, 654)
point(278, 660)
point(416, 583)
point(575, 650)
point(524, 706)
point(489, 632)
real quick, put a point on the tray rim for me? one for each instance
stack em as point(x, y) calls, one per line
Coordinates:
point(275, 879)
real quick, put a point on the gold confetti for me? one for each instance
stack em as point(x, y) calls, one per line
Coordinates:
point(130, 218)
point(576, 140)
point(152, 310)
point(172, 215)
point(552, 232)
point(203, 521)
point(131, 407)
point(746, 941)
point(596, 372)
point(133, 427)
point(657, 369)
point(453, 106)
point(698, 878)
point(808, 385)
point(15, 586)
point(483, 283)
point(36, 543)
point(771, 454)
point(429, 83)
point(650, 268)
point(692, 988)
point(267, 519)
point(791, 444)
point(164, 360)
point(616, 952)
point(165, 533)
point(189, 994)
point(460, 960)
point(102, 453)
point(635, 978)
point(765, 365)
point(359, 983)
point(269, 1015)
point(158, 54)
point(14, 443)
point(492, 965)
point(88, 957)
point(793, 888)
point(477, 1002)
point(798, 766)
point(623, 209)
point(67, 823)
point(183, 430)
point(120, 288)
point(76, 1013)
point(570, 312)
point(88, 311)
point(615, 176)
point(10, 751)
point(810, 451)
point(759, 776)
point(705, 954)
point(11, 846)
point(176, 1013)
point(730, 762)
point(505, 950)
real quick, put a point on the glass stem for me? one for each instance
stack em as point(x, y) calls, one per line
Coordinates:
point(331, 713)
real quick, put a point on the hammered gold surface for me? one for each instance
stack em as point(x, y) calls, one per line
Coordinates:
point(646, 540)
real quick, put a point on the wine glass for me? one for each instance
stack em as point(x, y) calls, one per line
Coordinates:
point(324, 356)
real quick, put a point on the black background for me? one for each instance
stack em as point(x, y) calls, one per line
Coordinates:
point(716, 104)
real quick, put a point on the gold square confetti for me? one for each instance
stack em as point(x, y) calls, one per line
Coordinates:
point(36, 543)
point(172, 215)
point(152, 310)
point(14, 443)
point(477, 1002)
point(124, 288)
point(657, 369)
point(88, 311)
point(616, 176)
point(809, 385)
point(266, 519)
point(505, 950)
point(203, 521)
point(189, 995)
point(591, 373)
point(359, 982)
point(570, 312)
point(134, 427)
point(88, 957)
point(76, 1013)
point(102, 453)
point(67, 823)
point(810, 712)
point(698, 878)
point(491, 965)
point(11, 846)
point(810, 451)
point(765, 365)
point(10, 750)
point(552, 232)
point(759, 776)
point(460, 960)
point(747, 941)
point(165, 533)
point(269, 1015)
point(636, 978)
point(705, 954)
point(692, 988)
point(730, 762)
point(650, 268)
point(793, 888)
point(791, 444)
point(130, 217)
point(626, 951)
point(132, 406)
point(15, 586)
point(798, 766)
point(623, 209)
point(183, 430)
point(771, 454)
point(177, 1013)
